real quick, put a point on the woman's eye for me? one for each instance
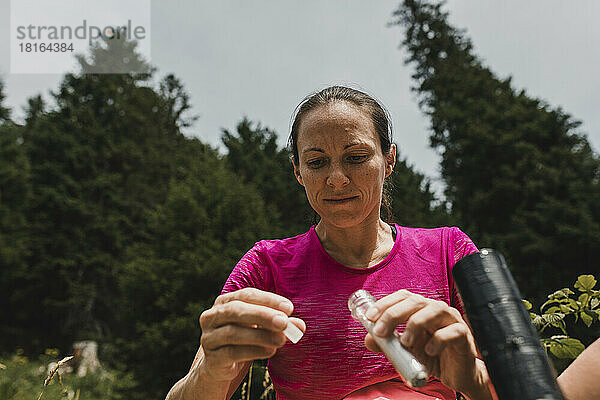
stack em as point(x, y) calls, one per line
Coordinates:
point(357, 158)
point(315, 163)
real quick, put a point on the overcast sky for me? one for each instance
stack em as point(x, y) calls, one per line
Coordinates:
point(260, 58)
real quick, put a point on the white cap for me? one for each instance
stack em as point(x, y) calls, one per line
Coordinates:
point(293, 333)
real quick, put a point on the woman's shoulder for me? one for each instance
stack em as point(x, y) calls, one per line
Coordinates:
point(427, 237)
point(435, 232)
point(256, 267)
point(285, 245)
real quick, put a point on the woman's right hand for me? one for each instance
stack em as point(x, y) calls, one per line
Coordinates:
point(242, 326)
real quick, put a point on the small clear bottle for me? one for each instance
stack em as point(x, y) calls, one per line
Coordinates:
point(409, 368)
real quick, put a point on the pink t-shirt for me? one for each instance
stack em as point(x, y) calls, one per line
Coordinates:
point(331, 360)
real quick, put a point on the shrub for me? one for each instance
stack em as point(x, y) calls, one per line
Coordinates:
point(23, 379)
point(562, 308)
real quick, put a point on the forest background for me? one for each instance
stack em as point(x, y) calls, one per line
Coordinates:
point(117, 227)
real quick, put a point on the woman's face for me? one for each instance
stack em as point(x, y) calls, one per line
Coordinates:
point(341, 164)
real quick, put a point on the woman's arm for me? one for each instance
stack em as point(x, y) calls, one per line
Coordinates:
point(197, 385)
point(240, 327)
point(581, 380)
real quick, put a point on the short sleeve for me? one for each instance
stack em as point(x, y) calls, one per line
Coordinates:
point(459, 245)
point(250, 271)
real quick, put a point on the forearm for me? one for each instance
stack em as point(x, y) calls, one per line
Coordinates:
point(197, 385)
point(581, 380)
point(482, 386)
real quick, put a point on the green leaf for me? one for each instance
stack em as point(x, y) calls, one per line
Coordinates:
point(551, 301)
point(585, 283)
point(573, 303)
point(560, 325)
point(593, 313)
point(583, 299)
point(554, 309)
point(565, 347)
point(561, 294)
point(587, 320)
point(536, 320)
point(594, 302)
point(554, 317)
point(527, 304)
point(556, 320)
point(556, 295)
point(565, 309)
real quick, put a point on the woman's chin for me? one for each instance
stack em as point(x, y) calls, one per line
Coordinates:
point(342, 219)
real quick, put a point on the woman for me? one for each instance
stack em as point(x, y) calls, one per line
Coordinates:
point(342, 154)
point(581, 380)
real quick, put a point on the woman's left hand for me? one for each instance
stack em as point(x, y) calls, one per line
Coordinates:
point(436, 334)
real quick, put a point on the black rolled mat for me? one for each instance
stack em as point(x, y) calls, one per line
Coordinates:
point(509, 343)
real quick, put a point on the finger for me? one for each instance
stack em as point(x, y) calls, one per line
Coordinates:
point(435, 315)
point(239, 335)
point(385, 302)
point(456, 334)
point(371, 344)
point(243, 314)
point(259, 297)
point(398, 313)
point(299, 323)
point(228, 354)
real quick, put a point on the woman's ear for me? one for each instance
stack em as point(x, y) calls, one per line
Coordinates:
point(390, 160)
point(297, 171)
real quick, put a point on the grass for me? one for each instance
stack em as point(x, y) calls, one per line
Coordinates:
point(25, 379)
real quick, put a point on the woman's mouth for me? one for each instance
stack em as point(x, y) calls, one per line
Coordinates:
point(341, 200)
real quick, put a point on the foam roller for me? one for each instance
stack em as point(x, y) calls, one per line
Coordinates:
point(507, 340)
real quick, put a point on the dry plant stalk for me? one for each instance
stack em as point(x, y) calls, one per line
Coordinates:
point(268, 385)
point(244, 390)
point(54, 371)
point(250, 380)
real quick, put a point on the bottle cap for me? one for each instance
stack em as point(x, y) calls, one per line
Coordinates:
point(293, 333)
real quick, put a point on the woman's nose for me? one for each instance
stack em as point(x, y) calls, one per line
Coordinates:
point(337, 177)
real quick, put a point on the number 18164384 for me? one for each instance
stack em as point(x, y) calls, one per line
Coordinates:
point(35, 47)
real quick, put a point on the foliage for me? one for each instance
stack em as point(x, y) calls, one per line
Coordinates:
point(115, 56)
point(518, 174)
point(252, 152)
point(4, 111)
point(23, 379)
point(257, 384)
point(412, 201)
point(562, 306)
point(15, 195)
point(97, 162)
point(128, 228)
point(194, 239)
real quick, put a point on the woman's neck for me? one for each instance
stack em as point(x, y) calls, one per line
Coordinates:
point(362, 246)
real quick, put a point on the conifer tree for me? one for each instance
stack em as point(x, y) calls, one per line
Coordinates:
point(4, 111)
point(15, 194)
point(195, 238)
point(413, 203)
point(519, 175)
point(99, 161)
point(252, 152)
point(134, 226)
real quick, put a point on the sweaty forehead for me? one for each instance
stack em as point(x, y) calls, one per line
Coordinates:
point(339, 123)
